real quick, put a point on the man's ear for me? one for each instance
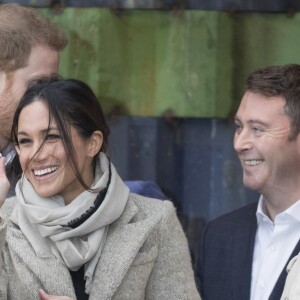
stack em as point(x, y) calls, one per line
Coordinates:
point(95, 143)
point(3, 81)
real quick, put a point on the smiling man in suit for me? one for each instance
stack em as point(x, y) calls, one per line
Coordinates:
point(244, 254)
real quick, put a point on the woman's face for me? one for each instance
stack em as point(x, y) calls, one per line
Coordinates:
point(49, 169)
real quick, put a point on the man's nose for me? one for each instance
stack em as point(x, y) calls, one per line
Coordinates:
point(242, 141)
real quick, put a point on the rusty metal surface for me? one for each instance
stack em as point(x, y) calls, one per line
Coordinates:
point(192, 160)
point(217, 5)
point(166, 63)
point(150, 63)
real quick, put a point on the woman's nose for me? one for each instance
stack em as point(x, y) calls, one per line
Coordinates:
point(40, 152)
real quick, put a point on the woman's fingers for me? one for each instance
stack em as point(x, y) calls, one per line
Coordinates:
point(45, 296)
point(4, 183)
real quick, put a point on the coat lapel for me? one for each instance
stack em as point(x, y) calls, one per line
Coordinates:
point(44, 268)
point(278, 288)
point(123, 242)
point(244, 238)
point(243, 256)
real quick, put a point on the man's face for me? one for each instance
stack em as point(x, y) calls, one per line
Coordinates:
point(42, 61)
point(268, 157)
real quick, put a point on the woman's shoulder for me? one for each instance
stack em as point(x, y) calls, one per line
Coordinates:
point(8, 207)
point(151, 206)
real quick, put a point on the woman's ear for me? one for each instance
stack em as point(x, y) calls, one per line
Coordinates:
point(95, 143)
point(17, 149)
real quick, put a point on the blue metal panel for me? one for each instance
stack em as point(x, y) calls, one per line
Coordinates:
point(217, 5)
point(131, 147)
point(191, 159)
point(249, 5)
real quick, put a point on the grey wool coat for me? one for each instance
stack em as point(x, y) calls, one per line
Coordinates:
point(145, 256)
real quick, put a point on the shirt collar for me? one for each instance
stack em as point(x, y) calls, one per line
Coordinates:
point(291, 213)
point(261, 216)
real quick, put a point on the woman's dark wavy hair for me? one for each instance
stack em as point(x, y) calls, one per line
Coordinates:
point(70, 102)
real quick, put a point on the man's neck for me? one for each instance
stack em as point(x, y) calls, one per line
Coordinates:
point(276, 204)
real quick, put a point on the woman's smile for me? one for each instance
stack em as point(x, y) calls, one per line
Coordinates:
point(43, 155)
point(42, 172)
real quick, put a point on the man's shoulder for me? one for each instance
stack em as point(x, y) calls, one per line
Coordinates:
point(231, 229)
point(226, 245)
point(238, 217)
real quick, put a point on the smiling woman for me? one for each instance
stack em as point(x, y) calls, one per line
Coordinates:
point(44, 159)
point(82, 233)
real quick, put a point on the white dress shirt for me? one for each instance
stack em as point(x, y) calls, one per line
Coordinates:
point(274, 243)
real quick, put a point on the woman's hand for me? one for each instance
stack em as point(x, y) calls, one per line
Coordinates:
point(44, 296)
point(4, 183)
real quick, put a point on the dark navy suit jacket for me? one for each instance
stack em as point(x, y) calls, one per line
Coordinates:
point(224, 260)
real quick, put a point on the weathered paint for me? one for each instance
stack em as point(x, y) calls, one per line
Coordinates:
point(224, 5)
point(149, 63)
point(184, 63)
point(191, 159)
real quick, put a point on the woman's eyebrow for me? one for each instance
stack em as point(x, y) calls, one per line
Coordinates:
point(43, 131)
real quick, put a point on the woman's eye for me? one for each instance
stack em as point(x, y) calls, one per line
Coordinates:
point(52, 137)
point(23, 141)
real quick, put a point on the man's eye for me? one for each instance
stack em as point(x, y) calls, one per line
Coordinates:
point(238, 127)
point(256, 129)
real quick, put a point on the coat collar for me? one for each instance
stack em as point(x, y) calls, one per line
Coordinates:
point(125, 238)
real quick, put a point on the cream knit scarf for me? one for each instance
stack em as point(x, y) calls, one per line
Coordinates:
point(47, 222)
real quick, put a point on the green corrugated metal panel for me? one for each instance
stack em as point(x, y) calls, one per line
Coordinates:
point(261, 40)
point(189, 63)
